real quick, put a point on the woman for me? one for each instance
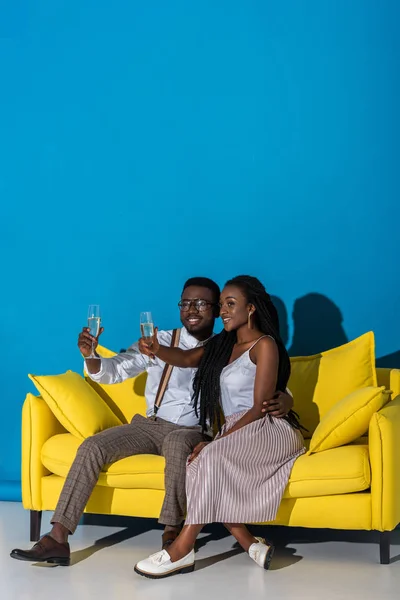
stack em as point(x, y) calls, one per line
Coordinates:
point(240, 477)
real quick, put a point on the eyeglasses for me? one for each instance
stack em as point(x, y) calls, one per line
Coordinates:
point(199, 305)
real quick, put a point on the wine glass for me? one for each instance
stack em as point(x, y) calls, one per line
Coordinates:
point(94, 321)
point(147, 330)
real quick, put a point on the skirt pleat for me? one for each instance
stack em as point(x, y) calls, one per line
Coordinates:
point(241, 478)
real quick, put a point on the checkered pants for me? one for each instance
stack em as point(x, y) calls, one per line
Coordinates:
point(141, 436)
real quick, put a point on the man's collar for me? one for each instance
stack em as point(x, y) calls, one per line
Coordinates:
point(191, 340)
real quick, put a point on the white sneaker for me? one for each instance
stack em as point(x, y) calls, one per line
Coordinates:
point(261, 552)
point(159, 565)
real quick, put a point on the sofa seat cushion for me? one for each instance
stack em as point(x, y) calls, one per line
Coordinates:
point(142, 471)
point(337, 471)
point(341, 470)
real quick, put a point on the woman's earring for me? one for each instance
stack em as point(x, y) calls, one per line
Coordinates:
point(249, 321)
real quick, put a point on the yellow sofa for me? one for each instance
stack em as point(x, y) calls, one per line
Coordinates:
point(356, 486)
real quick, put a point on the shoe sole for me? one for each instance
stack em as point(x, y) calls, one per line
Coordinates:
point(268, 557)
point(62, 562)
point(182, 570)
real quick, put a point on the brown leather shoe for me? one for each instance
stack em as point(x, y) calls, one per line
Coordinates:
point(47, 549)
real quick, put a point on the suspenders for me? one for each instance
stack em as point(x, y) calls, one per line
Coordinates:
point(166, 374)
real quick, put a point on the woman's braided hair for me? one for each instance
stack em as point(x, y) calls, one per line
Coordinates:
point(218, 350)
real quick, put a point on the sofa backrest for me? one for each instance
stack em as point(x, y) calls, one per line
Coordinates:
point(127, 398)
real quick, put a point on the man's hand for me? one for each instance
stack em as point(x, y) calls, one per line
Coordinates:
point(149, 346)
point(197, 450)
point(85, 341)
point(279, 405)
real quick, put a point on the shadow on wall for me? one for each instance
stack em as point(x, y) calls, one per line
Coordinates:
point(390, 360)
point(317, 324)
point(283, 318)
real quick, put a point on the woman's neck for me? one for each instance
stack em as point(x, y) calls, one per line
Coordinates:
point(244, 335)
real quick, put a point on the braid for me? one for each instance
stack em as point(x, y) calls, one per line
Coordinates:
point(207, 379)
point(217, 352)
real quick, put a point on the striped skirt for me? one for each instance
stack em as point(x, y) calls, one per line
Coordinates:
point(241, 478)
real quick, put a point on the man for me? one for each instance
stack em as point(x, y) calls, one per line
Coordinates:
point(172, 431)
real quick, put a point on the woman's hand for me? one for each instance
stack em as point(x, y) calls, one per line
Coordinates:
point(149, 346)
point(197, 450)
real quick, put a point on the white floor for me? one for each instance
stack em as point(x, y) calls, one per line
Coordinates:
point(307, 564)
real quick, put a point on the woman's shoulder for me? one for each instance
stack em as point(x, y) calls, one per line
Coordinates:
point(263, 346)
point(265, 341)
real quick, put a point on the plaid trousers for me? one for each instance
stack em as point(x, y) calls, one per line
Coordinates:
point(141, 436)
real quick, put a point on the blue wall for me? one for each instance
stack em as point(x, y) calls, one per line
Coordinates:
point(145, 142)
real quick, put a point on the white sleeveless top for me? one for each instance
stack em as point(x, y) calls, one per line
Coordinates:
point(237, 383)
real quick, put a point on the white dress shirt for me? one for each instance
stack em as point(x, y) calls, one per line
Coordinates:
point(176, 406)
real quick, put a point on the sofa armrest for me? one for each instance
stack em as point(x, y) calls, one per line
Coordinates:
point(390, 378)
point(384, 449)
point(38, 425)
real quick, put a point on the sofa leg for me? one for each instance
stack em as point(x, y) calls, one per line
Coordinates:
point(384, 547)
point(36, 521)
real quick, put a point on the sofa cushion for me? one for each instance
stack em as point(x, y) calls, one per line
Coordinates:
point(125, 399)
point(348, 419)
point(341, 470)
point(338, 471)
point(140, 471)
point(320, 381)
point(75, 404)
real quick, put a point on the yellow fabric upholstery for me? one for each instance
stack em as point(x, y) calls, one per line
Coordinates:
point(384, 439)
point(125, 399)
point(344, 511)
point(390, 379)
point(318, 382)
point(140, 471)
point(75, 404)
point(108, 501)
point(338, 471)
point(355, 486)
point(348, 419)
point(38, 425)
